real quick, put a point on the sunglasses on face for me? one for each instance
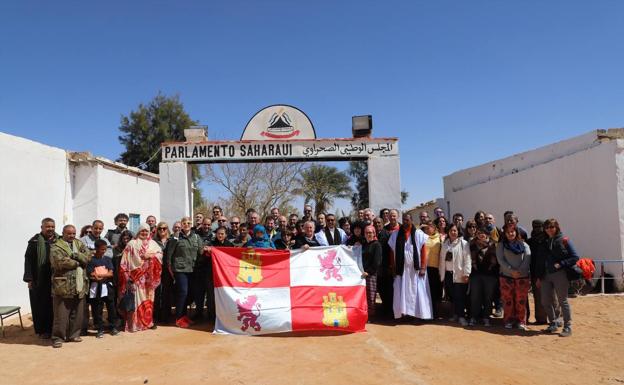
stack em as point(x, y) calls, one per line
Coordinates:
point(221, 220)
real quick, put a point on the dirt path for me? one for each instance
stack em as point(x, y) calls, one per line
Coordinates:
point(434, 353)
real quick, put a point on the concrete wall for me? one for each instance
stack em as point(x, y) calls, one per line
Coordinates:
point(127, 193)
point(577, 181)
point(35, 184)
point(39, 181)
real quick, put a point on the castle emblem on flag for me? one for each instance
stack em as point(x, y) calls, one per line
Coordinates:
point(246, 313)
point(334, 311)
point(330, 265)
point(250, 270)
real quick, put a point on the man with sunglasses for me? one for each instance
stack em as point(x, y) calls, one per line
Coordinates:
point(331, 235)
point(234, 229)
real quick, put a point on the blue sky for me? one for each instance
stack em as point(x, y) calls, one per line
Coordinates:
point(459, 82)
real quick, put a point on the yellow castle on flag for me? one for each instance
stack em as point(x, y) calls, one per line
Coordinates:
point(334, 311)
point(250, 269)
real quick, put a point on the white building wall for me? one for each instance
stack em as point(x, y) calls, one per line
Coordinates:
point(35, 185)
point(120, 192)
point(38, 181)
point(577, 183)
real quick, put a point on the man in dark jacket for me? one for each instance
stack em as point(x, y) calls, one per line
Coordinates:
point(37, 274)
point(307, 239)
point(539, 251)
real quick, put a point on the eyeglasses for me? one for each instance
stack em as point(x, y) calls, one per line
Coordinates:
point(234, 223)
point(221, 220)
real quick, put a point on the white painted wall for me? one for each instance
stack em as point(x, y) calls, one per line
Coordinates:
point(38, 181)
point(33, 187)
point(384, 183)
point(578, 181)
point(176, 193)
point(125, 193)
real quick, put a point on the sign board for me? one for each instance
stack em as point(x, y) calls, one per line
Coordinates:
point(279, 122)
point(280, 150)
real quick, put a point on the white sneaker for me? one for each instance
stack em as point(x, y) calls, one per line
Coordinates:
point(522, 326)
point(462, 321)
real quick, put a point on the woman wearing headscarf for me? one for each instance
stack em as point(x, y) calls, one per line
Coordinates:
point(371, 261)
point(260, 239)
point(560, 256)
point(514, 258)
point(139, 276)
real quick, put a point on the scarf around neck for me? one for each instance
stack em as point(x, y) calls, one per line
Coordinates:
point(516, 247)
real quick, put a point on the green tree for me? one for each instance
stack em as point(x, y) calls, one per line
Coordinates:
point(358, 170)
point(322, 185)
point(145, 129)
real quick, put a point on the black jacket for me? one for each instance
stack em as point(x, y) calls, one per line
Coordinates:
point(539, 253)
point(560, 251)
point(301, 240)
point(371, 257)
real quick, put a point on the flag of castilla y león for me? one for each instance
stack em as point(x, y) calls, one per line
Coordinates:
point(262, 291)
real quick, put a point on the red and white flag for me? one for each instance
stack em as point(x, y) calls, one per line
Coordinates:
point(262, 291)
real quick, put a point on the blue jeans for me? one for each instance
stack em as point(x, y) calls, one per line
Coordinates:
point(182, 287)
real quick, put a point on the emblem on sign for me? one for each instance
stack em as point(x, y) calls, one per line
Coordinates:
point(334, 311)
point(250, 267)
point(280, 127)
point(248, 313)
point(330, 265)
point(279, 122)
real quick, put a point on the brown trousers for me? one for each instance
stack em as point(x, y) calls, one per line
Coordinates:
point(68, 316)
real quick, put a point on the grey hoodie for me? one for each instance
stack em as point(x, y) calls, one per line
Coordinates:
point(510, 262)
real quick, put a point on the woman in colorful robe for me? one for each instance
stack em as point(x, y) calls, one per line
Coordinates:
point(139, 276)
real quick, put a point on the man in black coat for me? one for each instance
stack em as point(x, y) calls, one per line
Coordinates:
point(38, 275)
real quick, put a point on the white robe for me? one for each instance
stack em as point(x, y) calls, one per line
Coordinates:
point(411, 291)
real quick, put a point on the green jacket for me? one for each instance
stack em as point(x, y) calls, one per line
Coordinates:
point(184, 253)
point(69, 269)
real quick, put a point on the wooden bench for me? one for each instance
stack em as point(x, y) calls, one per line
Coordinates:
point(6, 312)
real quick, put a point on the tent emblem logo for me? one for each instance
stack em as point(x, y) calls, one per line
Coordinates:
point(280, 126)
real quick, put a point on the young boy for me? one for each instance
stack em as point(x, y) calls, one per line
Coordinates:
point(100, 270)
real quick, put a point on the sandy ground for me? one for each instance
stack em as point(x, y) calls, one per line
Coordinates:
point(431, 353)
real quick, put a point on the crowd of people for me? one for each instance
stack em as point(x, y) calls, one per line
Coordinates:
point(483, 270)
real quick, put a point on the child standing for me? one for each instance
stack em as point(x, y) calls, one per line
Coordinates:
point(100, 270)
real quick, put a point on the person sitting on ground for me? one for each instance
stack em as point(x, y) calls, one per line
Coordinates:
point(100, 271)
point(260, 239)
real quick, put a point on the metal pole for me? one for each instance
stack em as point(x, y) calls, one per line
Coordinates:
point(602, 278)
